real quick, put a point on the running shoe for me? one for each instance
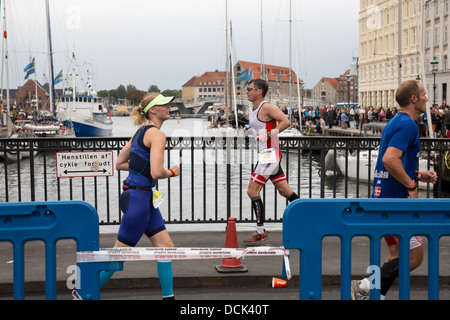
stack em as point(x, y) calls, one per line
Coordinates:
point(257, 238)
point(357, 292)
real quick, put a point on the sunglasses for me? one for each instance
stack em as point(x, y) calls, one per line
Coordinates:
point(250, 89)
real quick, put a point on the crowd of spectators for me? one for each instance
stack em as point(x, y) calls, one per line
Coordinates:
point(324, 117)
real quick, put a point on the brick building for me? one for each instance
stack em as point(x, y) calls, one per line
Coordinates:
point(26, 97)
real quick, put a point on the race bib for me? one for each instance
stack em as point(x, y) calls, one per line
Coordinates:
point(268, 156)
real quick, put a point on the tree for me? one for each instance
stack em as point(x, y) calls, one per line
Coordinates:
point(135, 97)
point(131, 87)
point(172, 93)
point(153, 88)
point(121, 92)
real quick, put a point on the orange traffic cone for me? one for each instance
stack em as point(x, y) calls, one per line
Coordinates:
point(230, 265)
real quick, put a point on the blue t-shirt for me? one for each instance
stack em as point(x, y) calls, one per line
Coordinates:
point(402, 133)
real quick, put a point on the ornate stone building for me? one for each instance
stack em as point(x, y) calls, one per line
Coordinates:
point(383, 61)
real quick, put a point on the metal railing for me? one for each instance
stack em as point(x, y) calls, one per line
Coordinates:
point(214, 174)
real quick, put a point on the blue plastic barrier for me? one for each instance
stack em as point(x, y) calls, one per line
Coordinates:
point(307, 221)
point(51, 222)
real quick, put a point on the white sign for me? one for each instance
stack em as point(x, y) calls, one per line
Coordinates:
point(84, 164)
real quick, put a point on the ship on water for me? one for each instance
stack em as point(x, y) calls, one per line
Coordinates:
point(84, 112)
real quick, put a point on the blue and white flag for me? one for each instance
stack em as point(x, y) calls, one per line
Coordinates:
point(246, 76)
point(58, 78)
point(30, 69)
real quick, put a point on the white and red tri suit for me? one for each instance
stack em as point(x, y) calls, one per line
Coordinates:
point(266, 171)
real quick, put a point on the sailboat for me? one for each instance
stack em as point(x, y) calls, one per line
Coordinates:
point(292, 131)
point(84, 112)
point(43, 123)
point(227, 128)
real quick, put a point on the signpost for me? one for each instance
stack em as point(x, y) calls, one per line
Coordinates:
point(84, 164)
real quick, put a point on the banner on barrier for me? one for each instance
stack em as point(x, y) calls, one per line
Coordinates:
point(142, 254)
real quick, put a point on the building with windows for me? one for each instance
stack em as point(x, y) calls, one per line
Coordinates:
point(435, 34)
point(380, 67)
point(326, 90)
point(32, 96)
point(211, 86)
point(276, 76)
point(207, 87)
point(331, 91)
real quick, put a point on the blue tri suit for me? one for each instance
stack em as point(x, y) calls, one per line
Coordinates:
point(140, 217)
point(401, 132)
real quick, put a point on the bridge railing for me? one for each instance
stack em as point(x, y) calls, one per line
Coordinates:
point(215, 172)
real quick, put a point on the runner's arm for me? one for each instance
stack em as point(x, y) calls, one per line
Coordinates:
point(157, 140)
point(393, 164)
point(123, 157)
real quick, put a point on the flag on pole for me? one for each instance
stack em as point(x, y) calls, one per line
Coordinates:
point(29, 69)
point(58, 78)
point(246, 76)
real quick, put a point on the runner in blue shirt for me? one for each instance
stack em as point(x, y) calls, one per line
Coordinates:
point(394, 178)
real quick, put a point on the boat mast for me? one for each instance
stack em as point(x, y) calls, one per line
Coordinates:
point(290, 60)
point(50, 59)
point(233, 98)
point(74, 81)
point(5, 61)
point(263, 68)
point(227, 66)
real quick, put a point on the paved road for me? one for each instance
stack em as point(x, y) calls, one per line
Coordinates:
point(199, 279)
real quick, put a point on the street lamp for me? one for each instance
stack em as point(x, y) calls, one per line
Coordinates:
point(303, 94)
point(434, 64)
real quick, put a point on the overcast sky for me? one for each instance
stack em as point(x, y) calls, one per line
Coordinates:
point(166, 42)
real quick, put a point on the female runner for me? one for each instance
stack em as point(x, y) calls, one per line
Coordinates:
point(143, 157)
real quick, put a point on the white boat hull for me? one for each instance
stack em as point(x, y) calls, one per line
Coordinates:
point(351, 171)
point(86, 116)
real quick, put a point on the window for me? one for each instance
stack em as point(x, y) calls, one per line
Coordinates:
point(436, 36)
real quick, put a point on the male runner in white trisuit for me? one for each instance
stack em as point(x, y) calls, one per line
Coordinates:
point(266, 121)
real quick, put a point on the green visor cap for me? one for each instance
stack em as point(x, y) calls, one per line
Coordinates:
point(158, 101)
